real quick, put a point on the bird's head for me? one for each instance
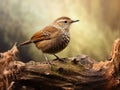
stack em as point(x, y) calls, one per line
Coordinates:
point(63, 23)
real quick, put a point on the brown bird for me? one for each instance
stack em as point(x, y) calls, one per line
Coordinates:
point(53, 38)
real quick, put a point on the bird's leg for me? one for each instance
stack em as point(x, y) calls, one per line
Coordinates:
point(57, 58)
point(46, 59)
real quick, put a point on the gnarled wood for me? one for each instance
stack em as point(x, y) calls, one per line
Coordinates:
point(76, 73)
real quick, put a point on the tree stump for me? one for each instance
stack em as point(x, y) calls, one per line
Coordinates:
point(77, 73)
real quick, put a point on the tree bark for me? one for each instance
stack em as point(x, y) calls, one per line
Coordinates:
point(77, 73)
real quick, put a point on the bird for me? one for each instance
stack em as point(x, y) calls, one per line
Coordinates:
point(53, 38)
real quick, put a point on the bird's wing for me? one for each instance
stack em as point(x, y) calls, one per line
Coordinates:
point(45, 34)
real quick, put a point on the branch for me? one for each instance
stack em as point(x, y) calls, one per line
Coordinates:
point(77, 73)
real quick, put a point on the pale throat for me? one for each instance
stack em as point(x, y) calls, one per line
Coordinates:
point(63, 29)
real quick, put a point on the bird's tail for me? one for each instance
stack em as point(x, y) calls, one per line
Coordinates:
point(25, 43)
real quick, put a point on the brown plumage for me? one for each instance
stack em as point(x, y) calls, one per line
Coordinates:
point(53, 38)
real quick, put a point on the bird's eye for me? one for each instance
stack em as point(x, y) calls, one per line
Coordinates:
point(65, 21)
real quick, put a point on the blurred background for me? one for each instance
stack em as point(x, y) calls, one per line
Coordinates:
point(94, 35)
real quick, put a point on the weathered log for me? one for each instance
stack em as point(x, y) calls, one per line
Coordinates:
point(77, 73)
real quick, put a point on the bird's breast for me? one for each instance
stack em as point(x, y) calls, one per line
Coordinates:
point(58, 44)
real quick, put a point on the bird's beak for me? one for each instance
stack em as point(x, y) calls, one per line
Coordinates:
point(73, 21)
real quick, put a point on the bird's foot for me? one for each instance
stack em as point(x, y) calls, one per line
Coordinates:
point(60, 59)
point(48, 62)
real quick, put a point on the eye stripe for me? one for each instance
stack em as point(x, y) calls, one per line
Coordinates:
point(61, 20)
